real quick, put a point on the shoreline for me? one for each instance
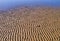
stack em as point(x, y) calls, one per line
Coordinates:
point(30, 6)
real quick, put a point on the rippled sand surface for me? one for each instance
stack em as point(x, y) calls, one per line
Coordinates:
point(30, 24)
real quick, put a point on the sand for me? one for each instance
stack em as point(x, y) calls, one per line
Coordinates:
point(30, 24)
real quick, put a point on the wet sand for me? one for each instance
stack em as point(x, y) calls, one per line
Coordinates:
point(30, 24)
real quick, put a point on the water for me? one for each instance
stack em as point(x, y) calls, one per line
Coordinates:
point(8, 4)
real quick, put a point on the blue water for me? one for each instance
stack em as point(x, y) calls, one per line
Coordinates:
point(8, 4)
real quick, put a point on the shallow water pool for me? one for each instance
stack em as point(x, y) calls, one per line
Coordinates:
point(8, 4)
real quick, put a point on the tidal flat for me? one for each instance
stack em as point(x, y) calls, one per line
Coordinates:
point(30, 24)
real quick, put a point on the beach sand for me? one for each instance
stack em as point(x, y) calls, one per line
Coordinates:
point(30, 24)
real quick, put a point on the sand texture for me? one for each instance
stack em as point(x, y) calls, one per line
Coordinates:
point(30, 24)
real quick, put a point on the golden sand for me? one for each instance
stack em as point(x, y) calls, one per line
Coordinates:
point(30, 24)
